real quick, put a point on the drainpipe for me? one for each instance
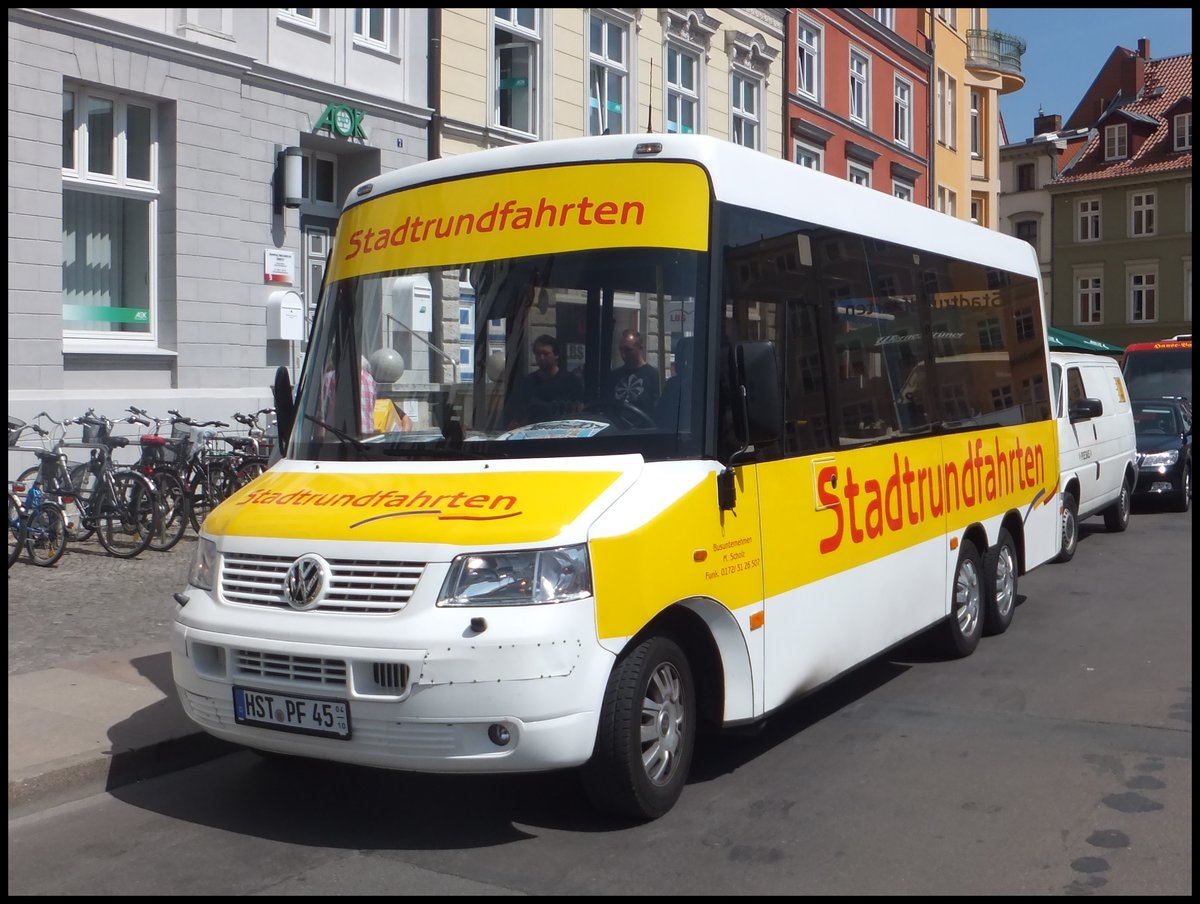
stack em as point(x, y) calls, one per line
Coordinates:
point(787, 85)
point(932, 131)
point(434, 141)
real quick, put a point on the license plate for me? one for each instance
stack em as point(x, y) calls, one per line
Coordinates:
point(306, 715)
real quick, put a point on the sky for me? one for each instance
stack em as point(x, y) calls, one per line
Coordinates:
point(1065, 49)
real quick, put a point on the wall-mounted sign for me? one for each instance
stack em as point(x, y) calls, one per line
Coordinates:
point(342, 120)
point(279, 267)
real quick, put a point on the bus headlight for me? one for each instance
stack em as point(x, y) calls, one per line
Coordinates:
point(527, 578)
point(204, 566)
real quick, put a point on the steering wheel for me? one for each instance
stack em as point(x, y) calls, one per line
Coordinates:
point(622, 412)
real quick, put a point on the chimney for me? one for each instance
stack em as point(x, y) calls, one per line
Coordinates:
point(1144, 48)
point(1133, 75)
point(1049, 122)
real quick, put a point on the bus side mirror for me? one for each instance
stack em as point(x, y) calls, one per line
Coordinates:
point(758, 392)
point(285, 407)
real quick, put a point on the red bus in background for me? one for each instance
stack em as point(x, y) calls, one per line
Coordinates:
point(1155, 369)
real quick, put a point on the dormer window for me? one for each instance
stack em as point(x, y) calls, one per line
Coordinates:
point(1183, 132)
point(1116, 142)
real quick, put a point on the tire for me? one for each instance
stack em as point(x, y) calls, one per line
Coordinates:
point(214, 482)
point(248, 470)
point(1182, 500)
point(1000, 568)
point(1070, 529)
point(1116, 516)
point(172, 500)
point(79, 520)
point(646, 734)
point(126, 524)
point(16, 529)
point(964, 626)
point(46, 535)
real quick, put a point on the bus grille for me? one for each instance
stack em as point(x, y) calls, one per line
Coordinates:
point(356, 586)
point(285, 667)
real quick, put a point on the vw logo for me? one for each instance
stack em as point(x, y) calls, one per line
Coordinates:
point(304, 585)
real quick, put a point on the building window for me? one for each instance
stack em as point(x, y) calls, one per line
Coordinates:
point(1143, 295)
point(608, 75)
point(306, 17)
point(1115, 142)
point(1088, 220)
point(1026, 230)
point(859, 175)
point(1141, 213)
point(516, 69)
point(947, 110)
point(991, 335)
point(109, 215)
point(902, 113)
point(1026, 173)
point(1088, 299)
point(318, 180)
point(1183, 132)
point(1023, 320)
point(902, 190)
point(976, 125)
point(947, 201)
point(886, 17)
point(977, 207)
point(860, 70)
point(808, 60)
point(810, 156)
point(371, 27)
point(949, 16)
point(683, 90)
point(744, 106)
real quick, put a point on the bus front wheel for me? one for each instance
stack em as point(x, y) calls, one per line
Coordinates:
point(647, 732)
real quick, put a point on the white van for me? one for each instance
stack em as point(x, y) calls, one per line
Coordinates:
point(1097, 449)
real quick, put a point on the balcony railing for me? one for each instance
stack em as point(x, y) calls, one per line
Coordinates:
point(994, 50)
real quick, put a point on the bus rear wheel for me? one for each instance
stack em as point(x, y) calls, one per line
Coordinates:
point(964, 626)
point(647, 732)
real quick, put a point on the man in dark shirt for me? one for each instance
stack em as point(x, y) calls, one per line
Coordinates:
point(635, 382)
point(549, 392)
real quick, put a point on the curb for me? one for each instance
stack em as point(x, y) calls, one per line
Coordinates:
point(87, 774)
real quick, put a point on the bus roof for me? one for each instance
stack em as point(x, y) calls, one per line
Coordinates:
point(747, 178)
point(1160, 345)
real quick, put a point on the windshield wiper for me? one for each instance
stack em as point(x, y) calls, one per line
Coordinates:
point(341, 434)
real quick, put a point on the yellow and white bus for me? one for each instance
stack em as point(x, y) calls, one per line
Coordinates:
point(600, 442)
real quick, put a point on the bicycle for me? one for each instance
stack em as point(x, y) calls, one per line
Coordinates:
point(16, 528)
point(251, 453)
point(207, 474)
point(35, 523)
point(172, 494)
point(116, 503)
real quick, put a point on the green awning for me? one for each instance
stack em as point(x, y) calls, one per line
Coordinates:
point(1073, 342)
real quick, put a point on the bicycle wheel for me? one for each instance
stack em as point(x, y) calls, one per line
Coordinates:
point(16, 529)
point(126, 514)
point(213, 482)
point(172, 501)
point(46, 535)
point(249, 469)
point(75, 507)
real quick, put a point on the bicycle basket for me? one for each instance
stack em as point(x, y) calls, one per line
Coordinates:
point(14, 429)
point(93, 433)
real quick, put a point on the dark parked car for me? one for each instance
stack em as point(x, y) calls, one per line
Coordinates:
point(1164, 450)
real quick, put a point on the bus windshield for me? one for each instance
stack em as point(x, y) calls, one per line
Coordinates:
point(1162, 369)
point(558, 354)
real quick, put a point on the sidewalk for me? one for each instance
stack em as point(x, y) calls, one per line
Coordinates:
point(91, 701)
point(96, 724)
